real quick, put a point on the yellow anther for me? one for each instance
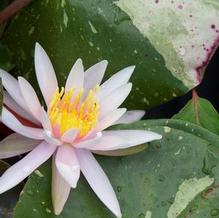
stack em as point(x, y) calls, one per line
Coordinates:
point(67, 110)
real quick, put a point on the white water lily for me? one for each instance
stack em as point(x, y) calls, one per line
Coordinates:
point(71, 128)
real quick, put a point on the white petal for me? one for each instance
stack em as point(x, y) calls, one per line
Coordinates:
point(119, 139)
point(89, 141)
point(45, 73)
point(11, 122)
point(69, 136)
point(16, 144)
point(23, 168)
point(76, 76)
point(68, 165)
point(130, 117)
point(45, 120)
point(117, 80)
point(94, 75)
point(98, 181)
point(9, 102)
point(114, 100)
point(12, 87)
point(60, 190)
point(109, 119)
point(106, 142)
point(50, 139)
point(30, 97)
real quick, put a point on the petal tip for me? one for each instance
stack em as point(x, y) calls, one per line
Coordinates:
point(105, 62)
point(38, 49)
point(141, 113)
point(156, 136)
point(131, 68)
point(57, 211)
point(119, 215)
point(37, 46)
point(79, 61)
point(129, 86)
point(117, 212)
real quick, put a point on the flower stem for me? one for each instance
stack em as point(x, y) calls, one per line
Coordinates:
point(12, 9)
point(195, 102)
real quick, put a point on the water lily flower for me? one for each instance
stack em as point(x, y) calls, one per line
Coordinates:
point(70, 129)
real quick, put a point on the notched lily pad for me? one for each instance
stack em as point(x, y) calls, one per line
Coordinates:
point(145, 183)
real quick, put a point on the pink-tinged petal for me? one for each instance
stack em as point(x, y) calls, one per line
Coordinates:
point(109, 119)
point(94, 75)
point(10, 103)
point(130, 117)
point(23, 168)
point(30, 97)
point(106, 142)
point(76, 76)
point(120, 139)
point(12, 87)
point(67, 164)
point(69, 136)
point(56, 131)
point(86, 143)
point(114, 100)
point(16, 144)
point(50, 139)
point(117, 80)
point(98, 181)
point(45, 120)
point(45, 73)
point(11, 122)
point(60, 190)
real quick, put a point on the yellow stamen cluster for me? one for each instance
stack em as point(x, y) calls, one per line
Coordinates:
point(68, 110)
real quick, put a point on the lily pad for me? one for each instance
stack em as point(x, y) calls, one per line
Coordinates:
point(7, 200)
point(6, 58)
point(147, 184)
point(168, 42)
point(201, 112)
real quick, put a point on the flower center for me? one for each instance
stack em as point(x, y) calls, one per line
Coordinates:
point(67, 110)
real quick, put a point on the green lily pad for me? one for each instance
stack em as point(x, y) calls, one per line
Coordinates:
point(201, 112)
point(164, 41)
point(7, 200)
point(147, 184)
point(6, 58)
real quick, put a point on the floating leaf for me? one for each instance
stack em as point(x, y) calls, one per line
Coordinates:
point(6, 58)
point(146, 183)
point(170, 42)
point(206, 204)
point(201, 112)
point(9, 199)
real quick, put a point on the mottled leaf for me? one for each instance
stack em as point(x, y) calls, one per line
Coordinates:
point(201, 112)
point(169, 42)
point(146, 183)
